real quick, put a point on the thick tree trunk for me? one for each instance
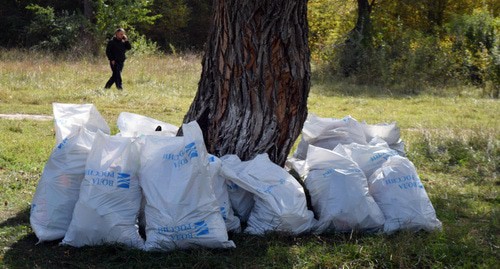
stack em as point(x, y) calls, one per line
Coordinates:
point(358, 40)
point(435, 13)
point(363, 24)
point(252, 96)
point(88, 35)
point(87, 10)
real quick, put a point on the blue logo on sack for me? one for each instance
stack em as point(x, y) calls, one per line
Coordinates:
point(185, 231)
point(201, 228)
point(63, 143)
point(183, 157)
point(384, 155)
point(191, 150)
point(123, 180)
point(223, 212)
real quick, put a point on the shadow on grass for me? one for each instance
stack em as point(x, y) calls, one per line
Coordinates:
point(467, 239)
point(23, 217)
point(26, 253)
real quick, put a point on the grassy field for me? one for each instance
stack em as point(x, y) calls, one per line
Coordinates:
point(451, 135)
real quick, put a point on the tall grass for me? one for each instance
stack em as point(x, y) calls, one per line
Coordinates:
point(452, 139)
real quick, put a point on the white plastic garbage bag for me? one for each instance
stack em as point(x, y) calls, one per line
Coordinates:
point(328, 133)
point(70, 117)
point(280, 201)
point(398, 191)
point(298, 166)
point(181, 208)
point(110, 196)
point(59, 186)
point(369, 157)
point(221, 193)
point(339, 193)
point(389, 132)
point(241, 200)
point(135, 125)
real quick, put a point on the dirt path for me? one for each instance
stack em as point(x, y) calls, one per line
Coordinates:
point(26, 117)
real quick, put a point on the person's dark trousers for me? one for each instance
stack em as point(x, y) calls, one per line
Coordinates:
point(116, 77)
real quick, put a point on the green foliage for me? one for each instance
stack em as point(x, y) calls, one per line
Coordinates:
point(475, 157)
point(329, 23)
point(122, 13)
point(474, 31)
point(414, 44)
point(142, 46)
point(171, 26)
point(476, 48)
point(53, 32)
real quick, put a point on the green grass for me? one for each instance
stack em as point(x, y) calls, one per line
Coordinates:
point(452, 137)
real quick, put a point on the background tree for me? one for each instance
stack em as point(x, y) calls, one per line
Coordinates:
point(358, 45)
point(252, 96)
point(183, 24)
point(122, 13)
point(169, 28)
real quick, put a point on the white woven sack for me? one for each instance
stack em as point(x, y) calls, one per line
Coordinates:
point(280, 201)
point(221, 193)
point(59, 186)
point(328, 133)
point(241, 200)
point(135, 125)
point(296, 165)
point(110, 196)
point(339, 193)
point(69, 117)
point(369, 157)
point(388, 132)
point(398, 191)
point(181, 208)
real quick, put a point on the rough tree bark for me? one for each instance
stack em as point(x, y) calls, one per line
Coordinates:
point(252, 95)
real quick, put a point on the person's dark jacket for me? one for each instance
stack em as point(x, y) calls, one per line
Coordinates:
point(115, 50)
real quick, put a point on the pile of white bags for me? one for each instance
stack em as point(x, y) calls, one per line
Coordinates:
point(341, 155)
point(97, 188)
point(59, 186)
point(329, 132)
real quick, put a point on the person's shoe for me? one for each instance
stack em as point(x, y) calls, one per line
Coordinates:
point(119, 88)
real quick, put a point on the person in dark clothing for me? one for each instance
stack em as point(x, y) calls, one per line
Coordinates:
point(115, 51)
